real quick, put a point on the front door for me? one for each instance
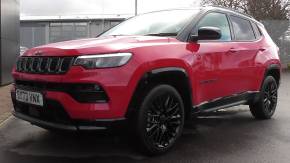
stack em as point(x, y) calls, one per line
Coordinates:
point(211, 73)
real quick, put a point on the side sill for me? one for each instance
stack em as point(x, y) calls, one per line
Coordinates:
point(226, 102)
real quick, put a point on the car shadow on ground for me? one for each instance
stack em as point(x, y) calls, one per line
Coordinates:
point(205, 135)
point(231, 135)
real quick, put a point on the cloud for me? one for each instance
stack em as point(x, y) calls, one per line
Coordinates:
point(77, 7)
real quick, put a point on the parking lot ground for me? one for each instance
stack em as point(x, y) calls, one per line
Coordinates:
point(225, 136)
point(5, 103)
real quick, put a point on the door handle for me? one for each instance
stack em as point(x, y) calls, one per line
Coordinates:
point(262, 49)
point(232, 50)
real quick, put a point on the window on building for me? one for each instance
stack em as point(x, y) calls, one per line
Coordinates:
point(114, 23)
point(32, 34)
point(67, 31)
point(81, 30)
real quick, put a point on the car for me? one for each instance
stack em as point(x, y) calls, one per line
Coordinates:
point(151, 72)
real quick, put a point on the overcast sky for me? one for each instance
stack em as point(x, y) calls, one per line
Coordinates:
point(77, 7)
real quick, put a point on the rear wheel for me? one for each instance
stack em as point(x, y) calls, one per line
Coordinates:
point(265, 107)
point(160, 119)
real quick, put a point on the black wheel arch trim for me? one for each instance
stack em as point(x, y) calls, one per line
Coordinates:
point(155, 73)
point(168, 69)
point(272, 67)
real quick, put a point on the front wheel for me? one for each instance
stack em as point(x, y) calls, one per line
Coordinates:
point(160, 119)
point(265, 107)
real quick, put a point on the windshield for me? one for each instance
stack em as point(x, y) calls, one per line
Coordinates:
point(163, 23)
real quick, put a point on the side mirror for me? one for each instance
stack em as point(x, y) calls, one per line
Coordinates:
point(206, 33)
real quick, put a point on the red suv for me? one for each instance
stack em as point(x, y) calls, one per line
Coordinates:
point(155, 70)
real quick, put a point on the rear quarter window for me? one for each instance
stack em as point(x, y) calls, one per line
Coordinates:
point(243, 29)
point(257, 31)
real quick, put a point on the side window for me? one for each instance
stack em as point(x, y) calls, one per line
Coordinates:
point(218, 20)
point(257, 31)
point(243, 29)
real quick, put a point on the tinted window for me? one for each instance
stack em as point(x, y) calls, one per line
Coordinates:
point(243, 29)
point(218, 20)
point(257, 31)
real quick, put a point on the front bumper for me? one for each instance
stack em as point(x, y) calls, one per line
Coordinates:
point(117, 83)
point(53, 116)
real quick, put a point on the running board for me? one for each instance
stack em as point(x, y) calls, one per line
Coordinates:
point(226, 102)
point(225, 106)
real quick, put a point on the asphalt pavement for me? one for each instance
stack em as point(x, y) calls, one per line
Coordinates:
point(226, 136)
point(5, 102)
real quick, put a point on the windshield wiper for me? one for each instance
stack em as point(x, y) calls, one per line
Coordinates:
point(162, 34)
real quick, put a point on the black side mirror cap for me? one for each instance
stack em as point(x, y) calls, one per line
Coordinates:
point(206, 33)
point(193, 38)
point(209, 33)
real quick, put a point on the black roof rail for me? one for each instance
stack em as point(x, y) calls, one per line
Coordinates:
point(231, 9)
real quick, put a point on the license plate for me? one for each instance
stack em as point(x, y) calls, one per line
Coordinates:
point(29, 97)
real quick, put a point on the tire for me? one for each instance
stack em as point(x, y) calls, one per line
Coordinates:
point(160, 120)
point(265, 107)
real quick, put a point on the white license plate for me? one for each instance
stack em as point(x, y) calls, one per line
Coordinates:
point(29, 97)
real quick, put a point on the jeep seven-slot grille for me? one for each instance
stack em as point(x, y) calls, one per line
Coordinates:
point(44, 65)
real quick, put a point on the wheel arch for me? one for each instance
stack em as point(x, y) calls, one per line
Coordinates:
point(275, 71)
point(174, 76)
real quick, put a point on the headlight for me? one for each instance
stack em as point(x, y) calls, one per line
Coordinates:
point(103, 60)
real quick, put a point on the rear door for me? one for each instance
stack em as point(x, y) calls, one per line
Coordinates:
point(240, 60)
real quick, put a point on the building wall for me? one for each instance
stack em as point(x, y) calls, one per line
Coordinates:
point(9, 38)
point(32, 34)
point(35, 33)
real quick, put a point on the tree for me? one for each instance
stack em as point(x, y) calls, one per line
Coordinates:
point(274, 14)
point(240, 5)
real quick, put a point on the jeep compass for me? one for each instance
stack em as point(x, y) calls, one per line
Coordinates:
point(154, 71)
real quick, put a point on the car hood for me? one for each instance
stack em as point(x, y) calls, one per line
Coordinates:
point(101, 45)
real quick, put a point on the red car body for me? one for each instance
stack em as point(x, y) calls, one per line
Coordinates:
point(214, 69)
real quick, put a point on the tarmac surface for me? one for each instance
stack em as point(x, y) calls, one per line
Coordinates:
point(225, 136)
point(5, 103)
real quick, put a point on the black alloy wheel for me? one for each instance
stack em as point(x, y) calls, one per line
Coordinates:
point(163, 120)
point(160, 119)
point(265, 107)
point(270, 97)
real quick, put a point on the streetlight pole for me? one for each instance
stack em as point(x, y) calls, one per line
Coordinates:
point(136, 7)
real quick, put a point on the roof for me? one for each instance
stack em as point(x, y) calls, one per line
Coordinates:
point(232, 11)
point(209, 7)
